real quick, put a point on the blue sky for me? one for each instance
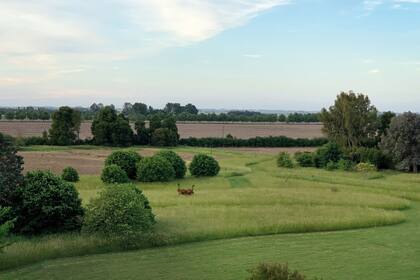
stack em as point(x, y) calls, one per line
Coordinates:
point(261, 54)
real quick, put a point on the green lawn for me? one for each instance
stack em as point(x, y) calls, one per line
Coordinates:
point(240, 210)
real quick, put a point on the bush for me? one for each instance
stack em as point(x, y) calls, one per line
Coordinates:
point(366, 167)
point(162, 137)
point(329, 152)
point(204, 165)
point(119, 210)
point(331, 165)
point(127, 160)
point(284, 160)
point(345, 165)
point(113, 174)
point(48, 205)
point(274, 271)
point(176, 161)
point(271, 141)
point(70, 174)
point(155, 169)
point(305, 159)
point(370, 155)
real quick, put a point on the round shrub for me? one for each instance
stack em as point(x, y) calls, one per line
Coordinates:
point(155, 169)
point(113, 174)
point(365, 167)
point(48, 205)
point(204, 165)
point(119, 209)
point(70, 174)
point(284, 160)
point(329, 152)
point(176, 161)
point(331, 165)
point(345, 165)
point(127, 160)
point(305, 159)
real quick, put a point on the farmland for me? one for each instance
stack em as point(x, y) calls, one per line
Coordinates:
point(333, 224)
point(206, 129)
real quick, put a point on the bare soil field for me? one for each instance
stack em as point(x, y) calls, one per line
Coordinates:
point(239, 130)
point(91, 162)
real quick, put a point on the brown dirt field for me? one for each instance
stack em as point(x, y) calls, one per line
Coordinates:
point(91, 162)
point(239, 130)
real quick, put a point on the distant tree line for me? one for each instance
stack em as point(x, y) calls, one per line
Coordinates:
point(141, 111)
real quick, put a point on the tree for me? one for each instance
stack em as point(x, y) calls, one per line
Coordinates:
point(48, 205)
point(10, 172)
point(139, 109)
point(142, 133)
point(109, 128)
point(352, 121)
point(384, 122)
point(402, 142)
point(190, 109)
point(65, 126)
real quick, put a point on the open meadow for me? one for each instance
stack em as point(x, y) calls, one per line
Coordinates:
point(331, 224)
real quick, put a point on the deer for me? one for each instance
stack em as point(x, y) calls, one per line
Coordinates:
point(186, 192)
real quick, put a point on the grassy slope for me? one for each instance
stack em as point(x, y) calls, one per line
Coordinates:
point(250, 197)
point(384, 253)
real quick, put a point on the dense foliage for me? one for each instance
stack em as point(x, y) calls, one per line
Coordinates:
point(365, 167)
point(11, 177)
point(113, 174)
point(267, 271)
point(70, 174)
point(305, 159)
point(351, 121)
point(127, 160)
point(330, 152)
point(110, 128)
point(176, 161)
point(65, 126)
point(5, 226)
point(402, 141)
point(284, 160)
point(48, 204)
point(119, 210)
point(204, 165)
point(155, 169)
point(271, 141)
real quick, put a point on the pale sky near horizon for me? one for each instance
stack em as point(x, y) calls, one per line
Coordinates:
point(236, 54)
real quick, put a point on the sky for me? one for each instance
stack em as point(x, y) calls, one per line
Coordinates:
point(233, 54)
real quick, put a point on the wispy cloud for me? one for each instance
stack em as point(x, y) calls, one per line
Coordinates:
point(254, 56)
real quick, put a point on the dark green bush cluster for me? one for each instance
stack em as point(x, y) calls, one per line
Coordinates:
point(331, 156)
point(119, 210)
point(284, 160)
point(305, 159)
point(274, 271)
point(271, 141)
point(113, 174)
point(126, 160)
point(47, 205)
point(155, 169)
point(204, 165)
point(70, 174)
point(176, 161)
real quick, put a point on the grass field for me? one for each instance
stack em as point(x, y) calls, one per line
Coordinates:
point(252, 212)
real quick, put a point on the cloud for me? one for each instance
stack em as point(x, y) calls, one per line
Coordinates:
point(47, 39)
point(374, 71)
point(255, 56)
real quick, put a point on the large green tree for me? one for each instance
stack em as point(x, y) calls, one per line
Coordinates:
point(402, 141)
point(65, 126)
point(351, 121)
point(109, 128)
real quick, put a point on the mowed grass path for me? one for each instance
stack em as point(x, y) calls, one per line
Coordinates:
point(251, 197)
